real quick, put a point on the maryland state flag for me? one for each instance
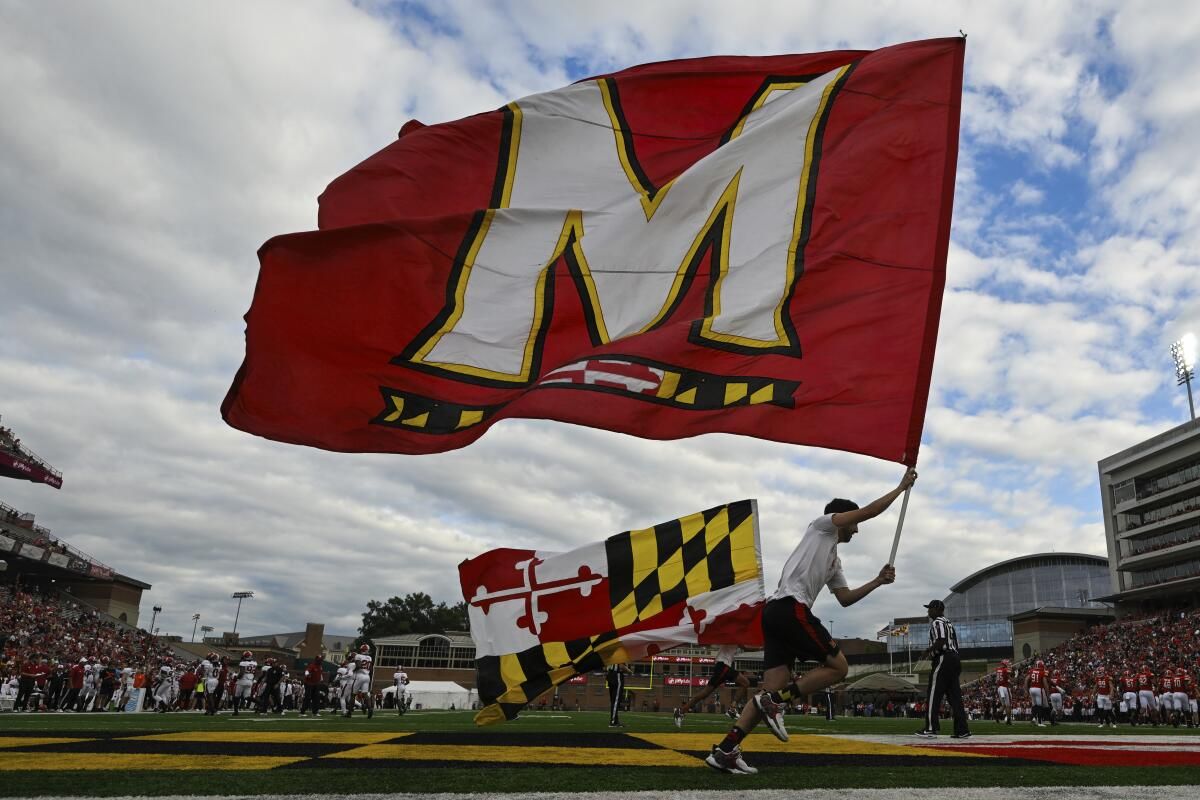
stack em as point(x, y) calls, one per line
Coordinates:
point(539, 619)
point(748, 245)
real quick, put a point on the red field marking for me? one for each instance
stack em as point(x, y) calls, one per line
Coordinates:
point(1099, 757)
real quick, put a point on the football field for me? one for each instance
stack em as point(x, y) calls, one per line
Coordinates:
point(183, 754)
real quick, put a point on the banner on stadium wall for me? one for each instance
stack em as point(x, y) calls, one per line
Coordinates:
point(58, 560)
point(673, 680)
point(32, 552)
point(77, 564)
point(686, 659)
point(14, 467)
point(7, 545)
point(98, 571)
point(134, 700)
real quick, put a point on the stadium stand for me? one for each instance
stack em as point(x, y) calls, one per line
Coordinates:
point(1169, 640)
point(18, 461)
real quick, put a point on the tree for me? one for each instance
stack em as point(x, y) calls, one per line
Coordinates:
point(413, 613)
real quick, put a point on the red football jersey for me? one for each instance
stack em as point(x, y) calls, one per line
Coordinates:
point(1103, 685)
point(1144, 681)
point(1127, 683)
point(1037, 677)
point(1189, 685)
point(1002, 676)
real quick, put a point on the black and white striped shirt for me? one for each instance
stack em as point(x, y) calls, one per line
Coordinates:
point(942, 628)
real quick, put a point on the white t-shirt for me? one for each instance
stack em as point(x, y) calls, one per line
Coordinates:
point(726, 653)
point(813, 564)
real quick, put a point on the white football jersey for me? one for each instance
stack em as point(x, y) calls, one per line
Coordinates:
point(400, 678)
point(362, 662)
point(248, 668)
point(204, 670)
point(341, 675)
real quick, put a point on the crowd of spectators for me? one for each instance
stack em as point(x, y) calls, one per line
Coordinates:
point(8, 441)
point(44, 636)
point(1169, 640)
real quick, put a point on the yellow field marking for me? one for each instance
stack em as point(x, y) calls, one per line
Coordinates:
point(608, 756)
point(28, 741)
point(817, 745)
point(270, 737)
point(11, 762)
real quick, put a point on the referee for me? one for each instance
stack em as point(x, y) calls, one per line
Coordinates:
point(615, 678)
point(943, 680)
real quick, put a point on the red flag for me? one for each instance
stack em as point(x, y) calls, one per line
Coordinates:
point(747, 245)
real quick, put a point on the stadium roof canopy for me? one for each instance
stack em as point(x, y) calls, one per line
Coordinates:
point(882, 682)
point(1018, 563)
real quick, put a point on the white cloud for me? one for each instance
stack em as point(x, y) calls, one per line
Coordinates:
point(1026, 194)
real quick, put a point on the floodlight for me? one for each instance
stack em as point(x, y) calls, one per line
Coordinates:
point(1184, 354)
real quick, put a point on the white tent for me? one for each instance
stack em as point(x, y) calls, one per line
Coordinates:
point(437, 694)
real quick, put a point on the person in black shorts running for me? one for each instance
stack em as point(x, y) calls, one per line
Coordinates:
point(791, 631)
point(723, 672)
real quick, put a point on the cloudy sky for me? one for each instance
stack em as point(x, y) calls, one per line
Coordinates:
point(147, 150)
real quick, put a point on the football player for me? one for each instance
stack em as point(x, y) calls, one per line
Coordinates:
point(1104, 690)
point(1056, 697)
point(400, 679)
point(1148, 706)
point(361, 681)
point(1004, 693)
point(247, 668)
point(723, 672)
point(1036, 687)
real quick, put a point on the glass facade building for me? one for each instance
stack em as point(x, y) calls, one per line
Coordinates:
point(980, 605)
point(1151, 498)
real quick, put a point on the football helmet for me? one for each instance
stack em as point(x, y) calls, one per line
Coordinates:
point(364, 648)
point(1040, 664)
point(247, 655)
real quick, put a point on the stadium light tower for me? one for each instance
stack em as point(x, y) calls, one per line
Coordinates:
point(195, 622)
point(239, 596)
point(1184, 353)
point(154, 616)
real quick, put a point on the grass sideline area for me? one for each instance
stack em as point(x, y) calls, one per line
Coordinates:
point(536, 728)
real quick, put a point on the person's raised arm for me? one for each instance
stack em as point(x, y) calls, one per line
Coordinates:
point(848, 597)
point(844, 519)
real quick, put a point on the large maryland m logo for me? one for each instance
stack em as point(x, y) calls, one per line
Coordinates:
point(570, 185)
point(665, 242)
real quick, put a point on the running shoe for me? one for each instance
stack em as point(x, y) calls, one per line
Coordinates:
point(731, 762)
point(772, 712)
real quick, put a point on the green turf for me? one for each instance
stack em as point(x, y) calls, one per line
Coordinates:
point(508, 778)
point(574, 721)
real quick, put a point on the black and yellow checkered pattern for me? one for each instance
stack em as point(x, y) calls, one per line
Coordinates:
point(507, 683)
point(653, 569)
point(649, 571)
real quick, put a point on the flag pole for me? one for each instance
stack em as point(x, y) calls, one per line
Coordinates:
point(899, 526)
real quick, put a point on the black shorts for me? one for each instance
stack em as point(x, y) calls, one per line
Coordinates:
point(790, 632)
point(722, 673)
